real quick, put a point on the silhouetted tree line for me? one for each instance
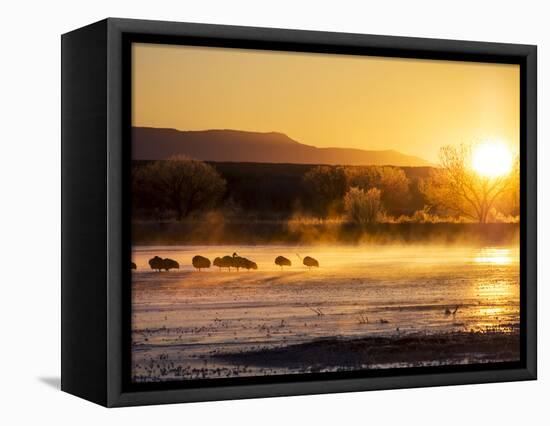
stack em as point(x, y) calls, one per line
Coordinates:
point(453, 190)
point(181, 187)
point(333, 189)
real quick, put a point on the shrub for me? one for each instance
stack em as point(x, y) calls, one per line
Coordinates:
point(392, 181)
point(363, 207)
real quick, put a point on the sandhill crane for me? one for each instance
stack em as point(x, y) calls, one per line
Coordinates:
point(168, 264)
point(200, 262)
point(237, 261)
point(157, 263)
point(248, 264)
point(219, 263)
point(308, 261)
point(226, 262)
point(243, 262)
point(282, 261)
point(453, 313)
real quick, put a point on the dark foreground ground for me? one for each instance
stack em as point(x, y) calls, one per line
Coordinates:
point(386, 352)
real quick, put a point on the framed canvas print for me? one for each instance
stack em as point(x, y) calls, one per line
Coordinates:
point(252, 212)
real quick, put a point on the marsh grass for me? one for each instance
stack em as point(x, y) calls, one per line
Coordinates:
point(216, 230)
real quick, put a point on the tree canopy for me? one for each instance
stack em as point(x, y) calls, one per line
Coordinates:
point(180, 183)
point(326, 186)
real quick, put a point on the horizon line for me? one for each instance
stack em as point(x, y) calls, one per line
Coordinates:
point(430, 163)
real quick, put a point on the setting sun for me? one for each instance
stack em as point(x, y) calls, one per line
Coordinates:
point(492, 159)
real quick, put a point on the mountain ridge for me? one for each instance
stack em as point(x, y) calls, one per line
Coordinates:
point(230, 145)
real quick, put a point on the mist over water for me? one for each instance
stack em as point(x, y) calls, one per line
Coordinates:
point(356, 291)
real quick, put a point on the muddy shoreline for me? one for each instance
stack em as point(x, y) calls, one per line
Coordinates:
point(386, 352)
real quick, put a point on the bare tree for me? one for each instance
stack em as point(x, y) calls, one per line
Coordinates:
point(456, 188)
point(182, 184)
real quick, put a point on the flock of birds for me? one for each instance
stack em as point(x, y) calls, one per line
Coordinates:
point(235, 261)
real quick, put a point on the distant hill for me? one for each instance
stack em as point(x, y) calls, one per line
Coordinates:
point(239, 146)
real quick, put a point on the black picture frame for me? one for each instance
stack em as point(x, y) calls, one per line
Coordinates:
point(95, 208)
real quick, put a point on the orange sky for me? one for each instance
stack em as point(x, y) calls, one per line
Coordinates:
point(410, 105)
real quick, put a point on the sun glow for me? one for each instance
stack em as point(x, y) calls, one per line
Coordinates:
point(495, 256)
point(492, 159)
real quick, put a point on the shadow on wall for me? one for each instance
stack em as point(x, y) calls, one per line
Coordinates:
point(54, 382)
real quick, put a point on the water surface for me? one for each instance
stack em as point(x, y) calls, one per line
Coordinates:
point(181, 319)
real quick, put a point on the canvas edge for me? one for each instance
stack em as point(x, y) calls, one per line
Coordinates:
point(116, 397)
point(83, 213)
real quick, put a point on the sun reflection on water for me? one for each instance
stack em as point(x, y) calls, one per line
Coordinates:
point(491, 311)
point(495, 256)
point(495, 290)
